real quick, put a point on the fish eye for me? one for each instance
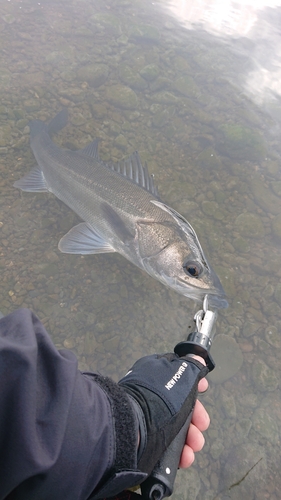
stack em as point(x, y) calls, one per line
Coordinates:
point(192, 268)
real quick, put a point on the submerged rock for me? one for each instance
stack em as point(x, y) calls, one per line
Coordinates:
point(265, 425)
point(249, 225)
point(241, 245)
point(8, 18)
point(186, 86)
point(217, 448)
point(122, 97)
point(190, 477)
point(244, 467)
point(264, 197)
point(272, 336)
point(276, 187)
point(276, 227)
point(264, 377)
point(242, 429)
point(145, 32)
point(165, 97)
point(94, 74)
point(208, 159)
point(227, 404)
point(163, 117)
point(250, 328)
point(212, 209)
point(241, 143)
point(150, 72)
point(131, 77)
point(106, 21)
point(5, 135)
point(228, 358)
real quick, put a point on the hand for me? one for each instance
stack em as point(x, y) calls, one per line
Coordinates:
point(200, 422)
point(163, 390)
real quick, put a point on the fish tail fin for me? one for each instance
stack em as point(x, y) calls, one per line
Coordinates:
point(58, 122)
point(36, 126)
point(55, 125)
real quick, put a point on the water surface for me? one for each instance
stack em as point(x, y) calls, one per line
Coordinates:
point(195, 88)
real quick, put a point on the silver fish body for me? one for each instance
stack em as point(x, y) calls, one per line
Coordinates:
point(122, 213)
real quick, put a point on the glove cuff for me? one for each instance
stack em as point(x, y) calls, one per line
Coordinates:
point(142, 427)
point(124, 472)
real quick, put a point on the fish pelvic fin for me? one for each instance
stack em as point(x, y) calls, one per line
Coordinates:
point(83, 239)
point(33, 182)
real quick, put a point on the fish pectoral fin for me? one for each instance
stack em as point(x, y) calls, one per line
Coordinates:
point(116, 223)
point(33, 182)
point(83, 239)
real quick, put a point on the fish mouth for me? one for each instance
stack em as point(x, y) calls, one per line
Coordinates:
point(217, 301)
point(216, 295)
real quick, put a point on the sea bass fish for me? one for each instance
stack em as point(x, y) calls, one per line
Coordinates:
point(122, 213)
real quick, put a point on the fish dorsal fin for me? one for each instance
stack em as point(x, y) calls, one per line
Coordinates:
point(133, 169)
point(186, 227)
point(91, 150)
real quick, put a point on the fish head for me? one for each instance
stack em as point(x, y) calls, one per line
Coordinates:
point(175, 258)
point(186, 273)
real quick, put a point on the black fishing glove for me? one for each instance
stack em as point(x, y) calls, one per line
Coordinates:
point(153, 400)
point(163, 390)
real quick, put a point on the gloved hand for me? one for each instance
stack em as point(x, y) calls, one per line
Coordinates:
point(163, 391)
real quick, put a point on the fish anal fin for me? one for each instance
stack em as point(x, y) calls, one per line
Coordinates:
point(117, 225)
point(91, 150)
point(33, 182)
point(83, 239)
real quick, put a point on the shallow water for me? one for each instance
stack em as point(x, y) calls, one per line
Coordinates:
point(194, 87)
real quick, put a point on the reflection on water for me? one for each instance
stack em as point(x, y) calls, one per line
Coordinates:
point(138, 79)
point(218, 16)
point(249, 26)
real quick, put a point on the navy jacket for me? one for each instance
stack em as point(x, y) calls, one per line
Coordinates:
point(60, 429)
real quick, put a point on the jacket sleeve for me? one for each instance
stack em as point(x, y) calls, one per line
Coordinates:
point(58, 426)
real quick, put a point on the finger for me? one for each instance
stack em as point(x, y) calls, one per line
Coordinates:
point(195, 439)
point(203, 384)
point(198, 359)
point(187, 457)
point(194, 442)
point(200, 417)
